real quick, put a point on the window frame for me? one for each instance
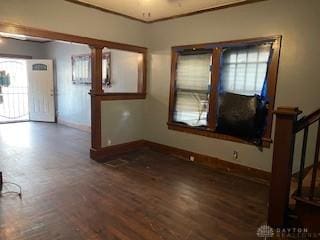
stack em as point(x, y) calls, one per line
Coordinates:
point(217, 50)
point(76, 58)
point(97, 88)
point(88, 81)
point(196, 52)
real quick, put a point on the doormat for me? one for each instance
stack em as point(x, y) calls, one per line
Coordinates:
point(116, 163)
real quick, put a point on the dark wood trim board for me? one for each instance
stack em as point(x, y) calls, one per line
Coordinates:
point(35, 32)
point(214, 163)
point(6, 55)
point(102, 154)
point(257, 175)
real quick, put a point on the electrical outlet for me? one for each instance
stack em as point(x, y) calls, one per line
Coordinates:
point(191, 158)
point(109, 142)
point(235, 155)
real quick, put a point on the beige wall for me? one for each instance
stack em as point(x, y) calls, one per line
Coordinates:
point(298, 82)
point(124, 71)
point(66, 17)
point(123, 121)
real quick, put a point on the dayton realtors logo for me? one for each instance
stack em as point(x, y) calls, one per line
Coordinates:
point(265, 232)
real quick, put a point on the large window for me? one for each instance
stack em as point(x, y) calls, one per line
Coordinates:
point(203, 73)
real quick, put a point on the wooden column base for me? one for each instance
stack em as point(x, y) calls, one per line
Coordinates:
point(1, 181)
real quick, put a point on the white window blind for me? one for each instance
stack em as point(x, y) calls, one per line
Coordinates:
point(192, 89)
point(244, 70)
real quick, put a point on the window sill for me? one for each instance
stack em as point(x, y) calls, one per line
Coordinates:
point(266, 142)
point(118, 96)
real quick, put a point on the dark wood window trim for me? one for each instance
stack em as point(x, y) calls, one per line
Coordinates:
point(34, 32)
point(119, 96)
point(209, 131)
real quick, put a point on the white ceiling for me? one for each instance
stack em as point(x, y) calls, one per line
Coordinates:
point(151, 10)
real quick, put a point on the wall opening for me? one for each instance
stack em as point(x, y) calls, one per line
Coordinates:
point(13, 90)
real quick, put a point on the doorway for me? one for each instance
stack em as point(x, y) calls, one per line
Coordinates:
point(14, 106)
point(97, 94)
point(26, 90)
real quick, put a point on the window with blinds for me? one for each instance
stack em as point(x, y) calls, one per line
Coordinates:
point(244, 70)
point(193, 78)
point(201, 73)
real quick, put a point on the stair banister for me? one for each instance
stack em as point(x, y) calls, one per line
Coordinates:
point(315, 164)
point(284, 140)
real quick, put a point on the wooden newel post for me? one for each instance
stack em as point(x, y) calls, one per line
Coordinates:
point(284, 141)
point(96, 91)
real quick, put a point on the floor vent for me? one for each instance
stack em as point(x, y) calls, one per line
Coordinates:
point(116, 163)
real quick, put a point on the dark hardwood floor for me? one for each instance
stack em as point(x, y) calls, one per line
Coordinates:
point(154, 196)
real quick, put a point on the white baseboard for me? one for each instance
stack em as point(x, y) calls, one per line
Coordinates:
point(81, 127)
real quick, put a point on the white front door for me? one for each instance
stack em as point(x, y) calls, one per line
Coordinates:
point(40, 90)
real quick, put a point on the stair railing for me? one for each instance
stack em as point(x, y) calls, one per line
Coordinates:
point(304, 124)
point(287, 126)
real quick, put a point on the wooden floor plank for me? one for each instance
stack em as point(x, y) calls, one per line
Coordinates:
point(154, 196)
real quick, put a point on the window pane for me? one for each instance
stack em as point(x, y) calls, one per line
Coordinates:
point(240, 76)
point(192, 89)
point(252, 55)
point(191, 108)
point(242, 57)
point(251, 77)
point(193, 72)
point(244, 70)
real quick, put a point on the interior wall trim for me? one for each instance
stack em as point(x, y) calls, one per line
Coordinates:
point(88, 5)
point(79, 126)
point(213, 162)
point(102, 154)
point(217, 164)
point(119, 96)
point(35, 32)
